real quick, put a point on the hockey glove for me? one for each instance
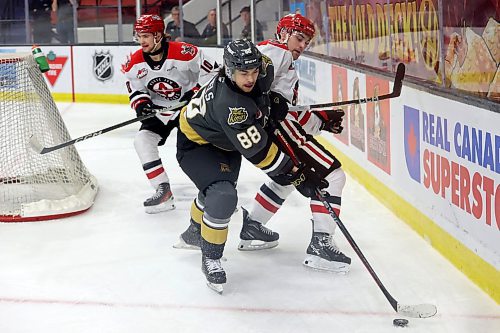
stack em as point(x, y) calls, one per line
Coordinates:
point(332, 120)
point(145, 108)
point(279, 107)
point(189, 94)
point(306, 181)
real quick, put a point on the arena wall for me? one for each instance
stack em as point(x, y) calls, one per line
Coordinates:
point(434, 161)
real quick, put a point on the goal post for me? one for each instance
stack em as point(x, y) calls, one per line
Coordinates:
point(36, 187)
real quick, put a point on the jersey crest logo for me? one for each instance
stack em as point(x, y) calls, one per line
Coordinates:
point(188, 49)
point(142, 73)
point(237, 116)
point(166, 88)
point(103, 66)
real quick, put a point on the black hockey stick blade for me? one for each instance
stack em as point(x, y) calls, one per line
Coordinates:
point(37, 146)
point(396, 91)
point(411, 311)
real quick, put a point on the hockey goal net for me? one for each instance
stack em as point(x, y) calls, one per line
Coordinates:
point(36, 187)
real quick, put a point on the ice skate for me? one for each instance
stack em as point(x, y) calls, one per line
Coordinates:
point(161, 201)
point(323, 254)
point(191, 238)
point(214, 273)
point(255, 236)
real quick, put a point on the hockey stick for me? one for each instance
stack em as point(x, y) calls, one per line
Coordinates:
point(412, 311)
point(396, 91)
point(37, 146)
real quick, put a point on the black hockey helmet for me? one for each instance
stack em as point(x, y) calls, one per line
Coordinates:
point(241, 54)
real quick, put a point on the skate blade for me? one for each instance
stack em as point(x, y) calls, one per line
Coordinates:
point(164, 207)
point(217, 287)
point(321, 264)
point(185, 246)
point(253, 245)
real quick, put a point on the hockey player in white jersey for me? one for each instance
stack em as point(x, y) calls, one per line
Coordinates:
point(295, 33)
point(161, 74)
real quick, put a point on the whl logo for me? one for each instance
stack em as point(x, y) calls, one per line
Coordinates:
point(412, 141)
point(56, 65)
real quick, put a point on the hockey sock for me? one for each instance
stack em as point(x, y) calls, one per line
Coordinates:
point(214, 236)
point(322, 221)
point(196, 212)
point(268, 200)
point(155, 172)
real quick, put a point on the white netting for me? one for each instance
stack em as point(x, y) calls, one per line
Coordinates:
point(34, 186)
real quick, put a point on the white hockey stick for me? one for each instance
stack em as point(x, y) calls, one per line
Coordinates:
point(396, 91)
point(37, 146)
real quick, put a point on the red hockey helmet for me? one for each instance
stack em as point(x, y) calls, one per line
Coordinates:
point(296, 22)
point(149, 24)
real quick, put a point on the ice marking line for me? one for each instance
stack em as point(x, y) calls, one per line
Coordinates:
point(164, 306)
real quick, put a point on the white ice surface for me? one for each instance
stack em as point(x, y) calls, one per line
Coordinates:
point(113, 269)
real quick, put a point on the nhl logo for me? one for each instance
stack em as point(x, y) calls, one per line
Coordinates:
point(103, 66)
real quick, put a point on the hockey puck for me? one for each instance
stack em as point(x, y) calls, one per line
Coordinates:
point(400, 322)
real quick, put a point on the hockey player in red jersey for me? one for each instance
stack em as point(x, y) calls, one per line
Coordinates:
point(295, 33)
point(161, 74)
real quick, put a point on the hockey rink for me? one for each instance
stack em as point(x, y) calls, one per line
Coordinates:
point(113, 269)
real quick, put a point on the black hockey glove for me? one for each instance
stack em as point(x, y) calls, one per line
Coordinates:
point(306, 181)
point(189, 94)
point(145, 108)
point(279, 107)
point(332, 120)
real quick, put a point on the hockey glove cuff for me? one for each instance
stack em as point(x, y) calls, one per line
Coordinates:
point(306, 181)
point(145, 108)
point(189, 94)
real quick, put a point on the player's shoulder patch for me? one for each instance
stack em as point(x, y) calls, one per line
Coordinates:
point(266, 61)
point(181, 51)
point(237, 115)
point(136, 58)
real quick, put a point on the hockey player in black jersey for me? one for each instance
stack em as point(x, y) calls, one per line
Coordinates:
point(161, 74)
point(223, 122)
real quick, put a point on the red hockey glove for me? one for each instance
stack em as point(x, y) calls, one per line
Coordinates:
point(332, 120)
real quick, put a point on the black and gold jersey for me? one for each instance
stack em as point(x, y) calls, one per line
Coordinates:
point(222, 115)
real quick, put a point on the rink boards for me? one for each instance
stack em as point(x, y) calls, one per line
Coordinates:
point(434, 161)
